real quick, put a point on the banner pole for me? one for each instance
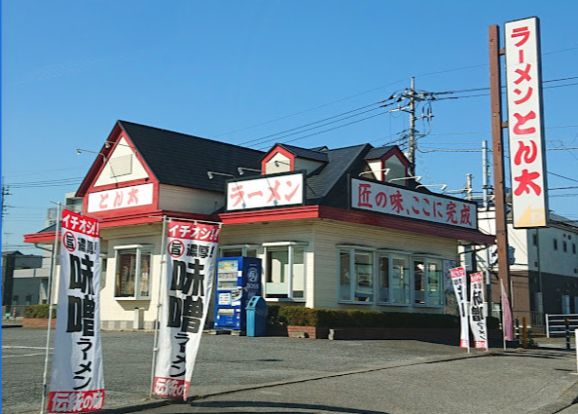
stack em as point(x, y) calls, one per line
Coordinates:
point(468, 312)
point(50, 292)
point(503, 326)
point(159, 303)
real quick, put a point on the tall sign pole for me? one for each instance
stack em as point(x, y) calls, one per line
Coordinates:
point(498, 163)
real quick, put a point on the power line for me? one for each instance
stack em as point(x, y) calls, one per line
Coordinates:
point(311, 109)
point(297, 129)
point(450, 92)
point(330, 129)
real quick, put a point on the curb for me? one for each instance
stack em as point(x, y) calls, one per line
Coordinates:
point(137, 407)
point(232, 390)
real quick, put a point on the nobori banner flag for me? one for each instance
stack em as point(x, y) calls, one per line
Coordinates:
point(190, 271)
point(477, 311)
point(77, 384)
point(458, 275)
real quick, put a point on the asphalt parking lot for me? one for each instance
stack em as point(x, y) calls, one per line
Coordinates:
point(224, 363)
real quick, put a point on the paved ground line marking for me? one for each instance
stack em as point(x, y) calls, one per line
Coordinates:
point(24, 347)
point(21, 356)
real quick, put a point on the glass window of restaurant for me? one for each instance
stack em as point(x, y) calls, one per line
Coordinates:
point(393, 279)
point(428, 282)
point(133, 268)
point(284, 271)
point(356, 280)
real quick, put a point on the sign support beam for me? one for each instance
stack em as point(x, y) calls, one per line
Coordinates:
point(498, 159)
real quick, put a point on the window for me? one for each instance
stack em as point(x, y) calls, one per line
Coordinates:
point(28, 300)
point(285, 271)
point(15, 299)
point(393, 283)
point(573, 248)
point(355, 275)
point(133, 265)
point(564, 246)
point(555, 244)
point(428, 285)
point(246, 250)
point(534, 239)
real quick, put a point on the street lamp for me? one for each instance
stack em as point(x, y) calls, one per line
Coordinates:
point(414, 177)
point(441, 186)
point(211, 174)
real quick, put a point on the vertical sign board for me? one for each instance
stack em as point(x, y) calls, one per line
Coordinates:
point(458, 275)
point(77, 383)
point(525, 123)
point(477, 311)
point(190, 271)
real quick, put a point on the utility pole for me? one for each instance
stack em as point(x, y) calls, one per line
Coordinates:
point(498, 158)
point(5, 192)
point(469, 187)
point(486, 206)
point(411, 133)
point(485, 176)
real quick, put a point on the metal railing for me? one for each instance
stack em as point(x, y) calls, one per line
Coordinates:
point(556, 323)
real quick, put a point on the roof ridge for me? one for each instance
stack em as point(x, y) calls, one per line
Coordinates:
point(189, 135)
point(363, 148)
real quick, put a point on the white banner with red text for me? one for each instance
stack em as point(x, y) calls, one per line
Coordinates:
point(458, 275)
point(477, 311)
point(278, 190)
point(186, 293)
point(77, 383)
point(393, 200)
point(525, 123)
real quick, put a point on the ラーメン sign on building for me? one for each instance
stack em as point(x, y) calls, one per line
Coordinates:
point(191, 252)
point(77, 384)
point(273, 191)
point(525, 123)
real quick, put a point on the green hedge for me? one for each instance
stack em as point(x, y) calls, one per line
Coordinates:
point(38, 312)
point(329, 318)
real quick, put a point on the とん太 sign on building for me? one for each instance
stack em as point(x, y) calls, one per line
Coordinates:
point(524, 87)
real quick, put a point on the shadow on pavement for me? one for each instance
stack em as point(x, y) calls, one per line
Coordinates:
point(281, 406)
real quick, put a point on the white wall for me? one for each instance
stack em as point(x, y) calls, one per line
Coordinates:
point(260, 233)
point(328, 235)
point(375, 167)
point(108, 174)
point(526, 253)
point(555, 261)
point(174, 198)
point(277, 164)
point(113, 309)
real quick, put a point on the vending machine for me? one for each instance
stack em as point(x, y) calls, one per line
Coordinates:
point(238, 280)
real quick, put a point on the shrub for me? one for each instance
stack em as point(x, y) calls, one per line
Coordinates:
point(332, 318)
point(38, 312)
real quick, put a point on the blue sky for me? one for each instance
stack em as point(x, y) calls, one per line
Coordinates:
point(70, 69)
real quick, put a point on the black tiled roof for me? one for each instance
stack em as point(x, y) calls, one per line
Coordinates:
point(184, 160)
point(378, 152)
point(309, 154)
point(328, 185)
